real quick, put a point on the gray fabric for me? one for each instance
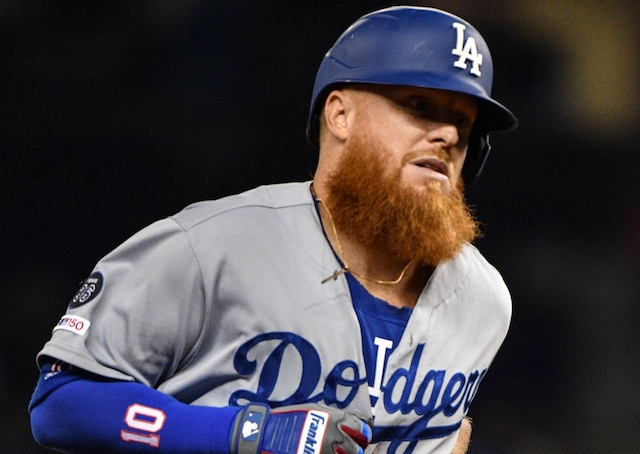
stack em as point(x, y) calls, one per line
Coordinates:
point(197, 304)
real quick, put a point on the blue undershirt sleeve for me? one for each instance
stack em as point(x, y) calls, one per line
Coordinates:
point(77, 412)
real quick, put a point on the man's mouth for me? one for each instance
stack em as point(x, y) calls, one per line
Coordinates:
point(435, 164)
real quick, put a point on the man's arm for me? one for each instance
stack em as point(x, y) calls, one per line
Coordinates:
point(464, 437)
point(77, 412)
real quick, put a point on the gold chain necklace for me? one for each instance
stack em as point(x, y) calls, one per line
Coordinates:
point(345, 266)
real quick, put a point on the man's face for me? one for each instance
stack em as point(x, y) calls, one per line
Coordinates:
point(397, 186)
point(424, 132)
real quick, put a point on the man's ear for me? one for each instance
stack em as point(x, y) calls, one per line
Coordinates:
point(338, 112)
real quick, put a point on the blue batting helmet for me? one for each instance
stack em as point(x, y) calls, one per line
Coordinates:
point(420, 47)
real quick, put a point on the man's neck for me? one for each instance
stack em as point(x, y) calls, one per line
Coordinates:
point(398, 282)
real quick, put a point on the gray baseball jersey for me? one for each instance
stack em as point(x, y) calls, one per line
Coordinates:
point(223, 304)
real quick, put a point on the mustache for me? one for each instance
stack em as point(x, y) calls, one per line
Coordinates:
point(438, 153)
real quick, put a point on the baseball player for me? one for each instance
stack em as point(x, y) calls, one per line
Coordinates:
point(344, 315)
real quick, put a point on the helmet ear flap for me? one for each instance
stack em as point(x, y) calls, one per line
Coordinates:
point(477, 154)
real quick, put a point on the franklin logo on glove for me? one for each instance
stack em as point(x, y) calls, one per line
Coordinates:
point(313, 432)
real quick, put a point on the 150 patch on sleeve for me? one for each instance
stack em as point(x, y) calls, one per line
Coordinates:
point(74, 324)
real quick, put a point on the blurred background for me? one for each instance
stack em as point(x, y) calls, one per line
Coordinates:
point(115, 114)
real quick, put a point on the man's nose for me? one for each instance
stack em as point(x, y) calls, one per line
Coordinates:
point(443, 133)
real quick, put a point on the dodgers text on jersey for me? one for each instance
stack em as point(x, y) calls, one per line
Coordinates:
point(438, 395)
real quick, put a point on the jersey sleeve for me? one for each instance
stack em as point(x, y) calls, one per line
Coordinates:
point(77, 412)
point(140, 314)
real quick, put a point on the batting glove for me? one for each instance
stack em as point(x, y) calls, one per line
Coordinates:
point(298, 429)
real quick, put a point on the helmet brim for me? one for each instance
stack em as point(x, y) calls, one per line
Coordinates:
point(492, 116)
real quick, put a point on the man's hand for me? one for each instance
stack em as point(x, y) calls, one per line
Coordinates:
point(298, 428)
point(464, 437)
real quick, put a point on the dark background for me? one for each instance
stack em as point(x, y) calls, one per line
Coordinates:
point(115, 114)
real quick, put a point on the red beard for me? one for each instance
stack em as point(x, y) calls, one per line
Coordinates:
point(372, 206)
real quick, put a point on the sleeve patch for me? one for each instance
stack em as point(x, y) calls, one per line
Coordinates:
point(89, 289)
point(74, 324)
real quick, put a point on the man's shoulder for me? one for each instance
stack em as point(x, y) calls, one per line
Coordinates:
point(470, 266)
point(266, 197)
point(481, 272)
point(474, 259)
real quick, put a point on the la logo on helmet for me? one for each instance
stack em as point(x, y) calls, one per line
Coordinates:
point(466, 51)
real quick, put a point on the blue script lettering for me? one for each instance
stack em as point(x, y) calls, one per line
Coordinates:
point(434, 393)
point(336, 383)
point(430, 400)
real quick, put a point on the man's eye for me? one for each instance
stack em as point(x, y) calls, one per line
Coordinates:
point(419, 106)
point(463, 123)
